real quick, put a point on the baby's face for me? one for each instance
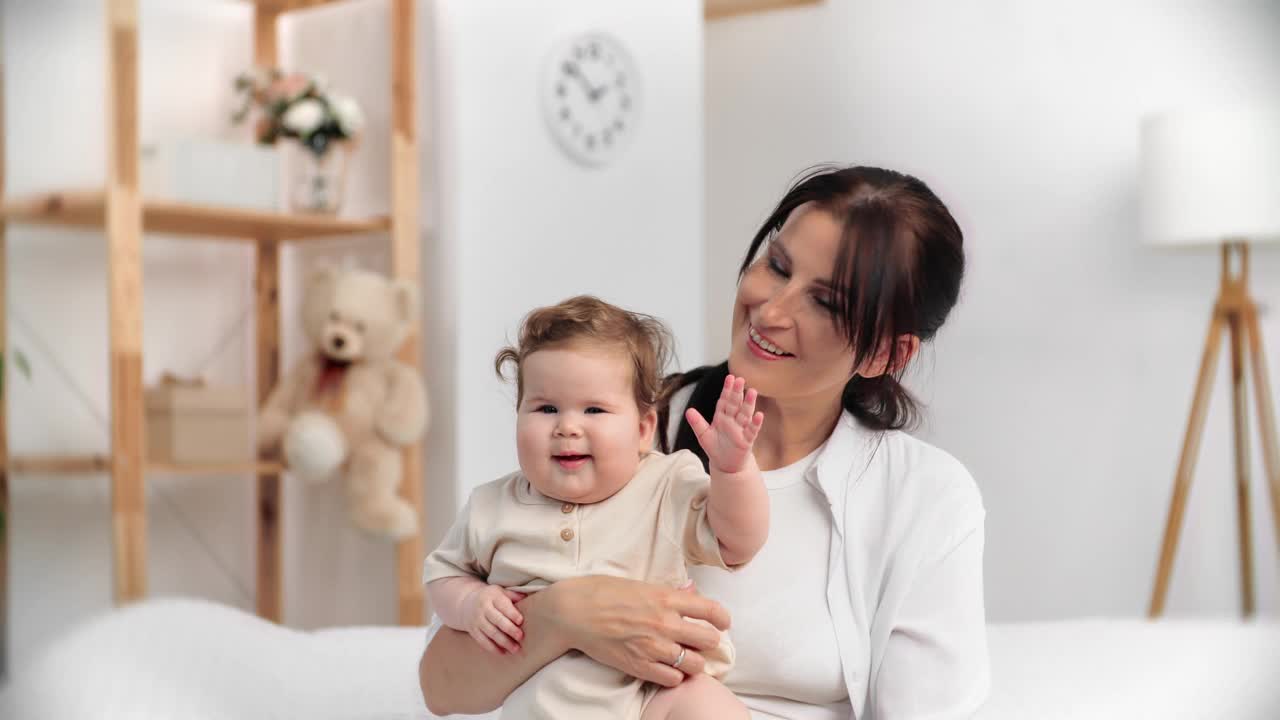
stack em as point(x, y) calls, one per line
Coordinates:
point(579, 433)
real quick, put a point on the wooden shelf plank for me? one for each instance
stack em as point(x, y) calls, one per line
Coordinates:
point(59, 464)
point(281, 6)
point(87, 209)
point(184, 219)
point(716, 9)
point(261, 467)
point(98, 463)
point(76, 209)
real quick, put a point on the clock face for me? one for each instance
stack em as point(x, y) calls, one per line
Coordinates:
point(591, 97)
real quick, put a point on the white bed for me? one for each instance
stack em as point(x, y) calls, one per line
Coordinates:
point(194, 660)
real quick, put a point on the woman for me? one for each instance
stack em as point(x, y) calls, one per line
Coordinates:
point(866, 601)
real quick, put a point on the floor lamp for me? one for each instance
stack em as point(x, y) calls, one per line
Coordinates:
point(1213, 178)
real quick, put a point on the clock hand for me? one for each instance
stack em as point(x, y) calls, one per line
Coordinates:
point(572, 69)
point(593, 93)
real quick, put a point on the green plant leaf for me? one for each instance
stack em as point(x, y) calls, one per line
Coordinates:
point(20, 362)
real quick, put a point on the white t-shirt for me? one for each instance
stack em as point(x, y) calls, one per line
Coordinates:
point(788, 663)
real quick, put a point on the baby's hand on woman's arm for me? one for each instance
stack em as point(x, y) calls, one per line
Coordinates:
point(489, 615)
point(728, 438)
point(485, 612)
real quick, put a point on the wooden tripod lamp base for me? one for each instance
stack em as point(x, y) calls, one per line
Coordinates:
point(1236, 312)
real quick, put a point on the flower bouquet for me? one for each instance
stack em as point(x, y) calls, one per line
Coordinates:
point(324, 124)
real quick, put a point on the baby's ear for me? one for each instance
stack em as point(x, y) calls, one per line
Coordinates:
point(404, 297)
point(648, 424)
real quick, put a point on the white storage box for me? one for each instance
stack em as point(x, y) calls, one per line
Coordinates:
point(212, 172)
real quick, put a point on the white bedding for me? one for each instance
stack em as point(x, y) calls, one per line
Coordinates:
point(1170, 669)
point(194, 660)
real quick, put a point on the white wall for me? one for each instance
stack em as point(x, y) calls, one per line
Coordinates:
point(1064, 378)
point(520, 225)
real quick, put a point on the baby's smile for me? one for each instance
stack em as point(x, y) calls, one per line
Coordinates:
point(571, 461)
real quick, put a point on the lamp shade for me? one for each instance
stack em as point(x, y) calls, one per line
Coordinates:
point(1211, 175)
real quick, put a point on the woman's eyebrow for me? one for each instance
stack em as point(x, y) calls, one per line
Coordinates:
point(827, 285)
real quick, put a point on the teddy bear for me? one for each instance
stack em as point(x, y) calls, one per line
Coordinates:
point(349, 407)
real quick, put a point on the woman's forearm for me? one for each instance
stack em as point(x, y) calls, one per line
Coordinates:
point(458, 676)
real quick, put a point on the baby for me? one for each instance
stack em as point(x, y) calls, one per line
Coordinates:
point(592, 497)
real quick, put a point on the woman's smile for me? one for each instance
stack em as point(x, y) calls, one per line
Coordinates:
point(761, 346)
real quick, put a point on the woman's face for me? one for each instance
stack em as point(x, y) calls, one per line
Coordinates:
point(785, 339)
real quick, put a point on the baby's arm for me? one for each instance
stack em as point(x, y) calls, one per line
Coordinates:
point(738, 510)
point(485, 612)
point(453, 572)
point(738, 503)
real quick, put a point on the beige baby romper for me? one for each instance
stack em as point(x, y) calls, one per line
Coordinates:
point(511, 535)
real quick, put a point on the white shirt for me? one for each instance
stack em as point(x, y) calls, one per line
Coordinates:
point(903, 581)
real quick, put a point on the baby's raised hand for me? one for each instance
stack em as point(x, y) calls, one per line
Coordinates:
point(490, 616)
point(728, 438)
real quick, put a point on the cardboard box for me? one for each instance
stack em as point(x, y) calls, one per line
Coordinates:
point(190, 422)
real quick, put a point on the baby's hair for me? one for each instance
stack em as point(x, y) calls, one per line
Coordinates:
point(590, 320)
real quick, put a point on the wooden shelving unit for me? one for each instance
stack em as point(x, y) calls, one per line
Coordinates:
point(124, 217)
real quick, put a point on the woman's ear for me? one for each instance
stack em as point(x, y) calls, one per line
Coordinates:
point(904, 348)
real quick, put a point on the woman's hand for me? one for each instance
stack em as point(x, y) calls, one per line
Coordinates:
point(636, 627)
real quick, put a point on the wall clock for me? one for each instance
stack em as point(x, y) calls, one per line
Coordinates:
point(591, 97)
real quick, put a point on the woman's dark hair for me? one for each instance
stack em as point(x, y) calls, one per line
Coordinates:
point(898, 271)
